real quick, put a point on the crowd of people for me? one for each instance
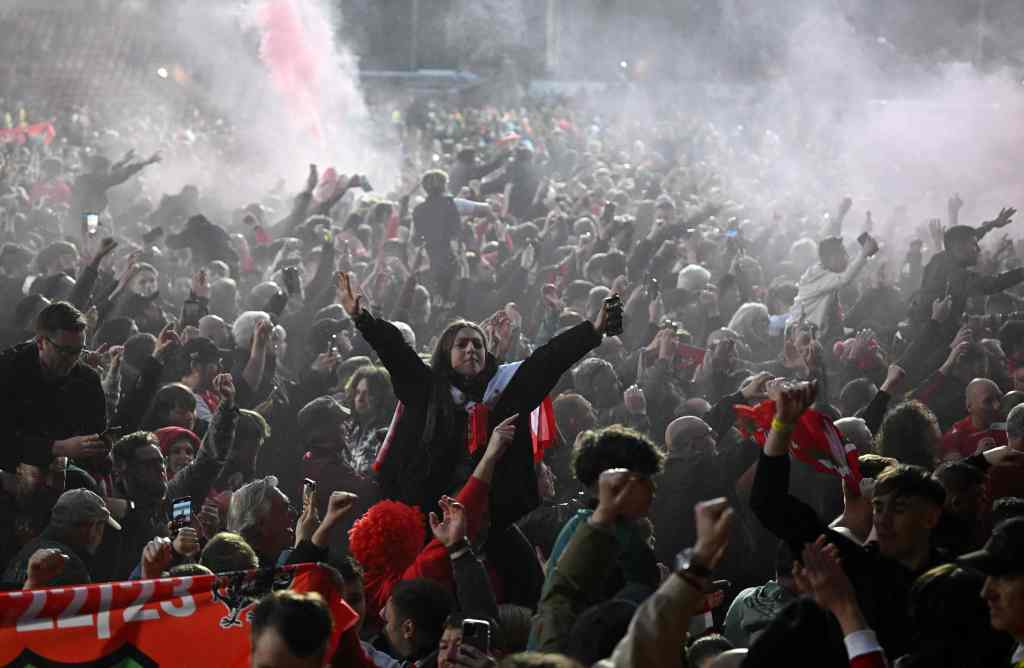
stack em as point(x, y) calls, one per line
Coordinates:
point(512, 401)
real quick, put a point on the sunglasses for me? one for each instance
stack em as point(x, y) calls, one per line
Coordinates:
point(69, 351)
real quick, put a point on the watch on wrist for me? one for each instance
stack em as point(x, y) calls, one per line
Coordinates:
point(687, 564)
point(458, 546)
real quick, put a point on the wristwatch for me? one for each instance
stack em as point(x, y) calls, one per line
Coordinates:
point(686, 564)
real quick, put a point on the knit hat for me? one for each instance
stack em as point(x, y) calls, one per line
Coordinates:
point(168, 436)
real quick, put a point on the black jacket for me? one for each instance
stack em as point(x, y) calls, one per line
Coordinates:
point(36, 411)
point(882, 584)
point(437, 222)
point(420, 474)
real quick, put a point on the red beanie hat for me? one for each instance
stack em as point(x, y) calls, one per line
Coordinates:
point(170, 435)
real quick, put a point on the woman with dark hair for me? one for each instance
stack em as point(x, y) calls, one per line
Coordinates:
point(449, 408)
point(174, 405)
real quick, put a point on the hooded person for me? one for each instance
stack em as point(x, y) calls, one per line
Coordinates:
point(449, 408)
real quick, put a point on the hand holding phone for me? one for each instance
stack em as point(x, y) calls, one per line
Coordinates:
point(181, 513)
point(477, 633)
point(613, 312)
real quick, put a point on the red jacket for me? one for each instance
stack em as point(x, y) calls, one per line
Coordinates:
point(964, 440)
point(432, 561)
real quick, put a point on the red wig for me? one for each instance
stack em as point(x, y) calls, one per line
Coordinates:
point(386, 541)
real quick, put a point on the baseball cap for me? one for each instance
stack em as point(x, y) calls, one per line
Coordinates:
point(1003, 554)
point(202, 350)
point(322, 411)
point(80, 506)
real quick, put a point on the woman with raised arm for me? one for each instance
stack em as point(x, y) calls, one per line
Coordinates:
point(449, 408)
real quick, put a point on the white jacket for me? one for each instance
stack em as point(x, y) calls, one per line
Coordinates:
point(818, 286)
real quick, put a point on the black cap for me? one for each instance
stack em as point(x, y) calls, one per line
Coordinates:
point(201, 350)
point(1003, 554)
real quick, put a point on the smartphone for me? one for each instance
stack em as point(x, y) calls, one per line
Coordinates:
point(651, 287)
point(614, 307)
point(181, 513)
point(721, 585)
point(477, 633)
point(92, 223)
point(608, 215)
point(290, 276)
point(332, 346)
point(863, 238)
point(732, 234)
point(191, 312)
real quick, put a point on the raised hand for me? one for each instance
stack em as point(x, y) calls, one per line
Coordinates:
point(1004, 218)
point(756, 387)
point(451, 528)
point(186, 543)
point(714, 520)
point(224, 385)
point(80, 447)
point(893, 377)
point(261, 337)
point(309, 519)
point(822, 577)
point(620, 492)
point(941, 308)
point(338, 505)
point(844, 206)
point(156, 557)
point(348, 298)
point(635, 401)
point(166, 342)
point(502, 436)
point(792, 399)
point(107, 246)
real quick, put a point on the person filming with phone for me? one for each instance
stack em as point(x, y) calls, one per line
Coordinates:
point(817, 299)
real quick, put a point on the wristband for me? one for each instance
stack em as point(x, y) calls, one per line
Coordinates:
point(461, 553)
point(457, 547)
point(781, 427)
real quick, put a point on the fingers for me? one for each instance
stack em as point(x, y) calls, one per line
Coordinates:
point(508, 423)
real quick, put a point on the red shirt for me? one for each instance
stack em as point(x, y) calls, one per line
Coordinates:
point(963, 440)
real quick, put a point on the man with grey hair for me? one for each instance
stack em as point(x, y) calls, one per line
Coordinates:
point(68, 542)
point(855, 430)
point(261, 513)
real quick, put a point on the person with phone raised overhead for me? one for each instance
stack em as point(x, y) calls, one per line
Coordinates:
point(817, 299)
point(450, 407)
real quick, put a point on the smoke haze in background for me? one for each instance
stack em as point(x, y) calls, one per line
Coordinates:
point(832, 107)
point(274, 72)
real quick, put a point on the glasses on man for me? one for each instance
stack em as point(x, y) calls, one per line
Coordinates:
point(67, 351)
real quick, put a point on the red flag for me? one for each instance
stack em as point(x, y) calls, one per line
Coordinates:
point(180, 621)
point(816, 441)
